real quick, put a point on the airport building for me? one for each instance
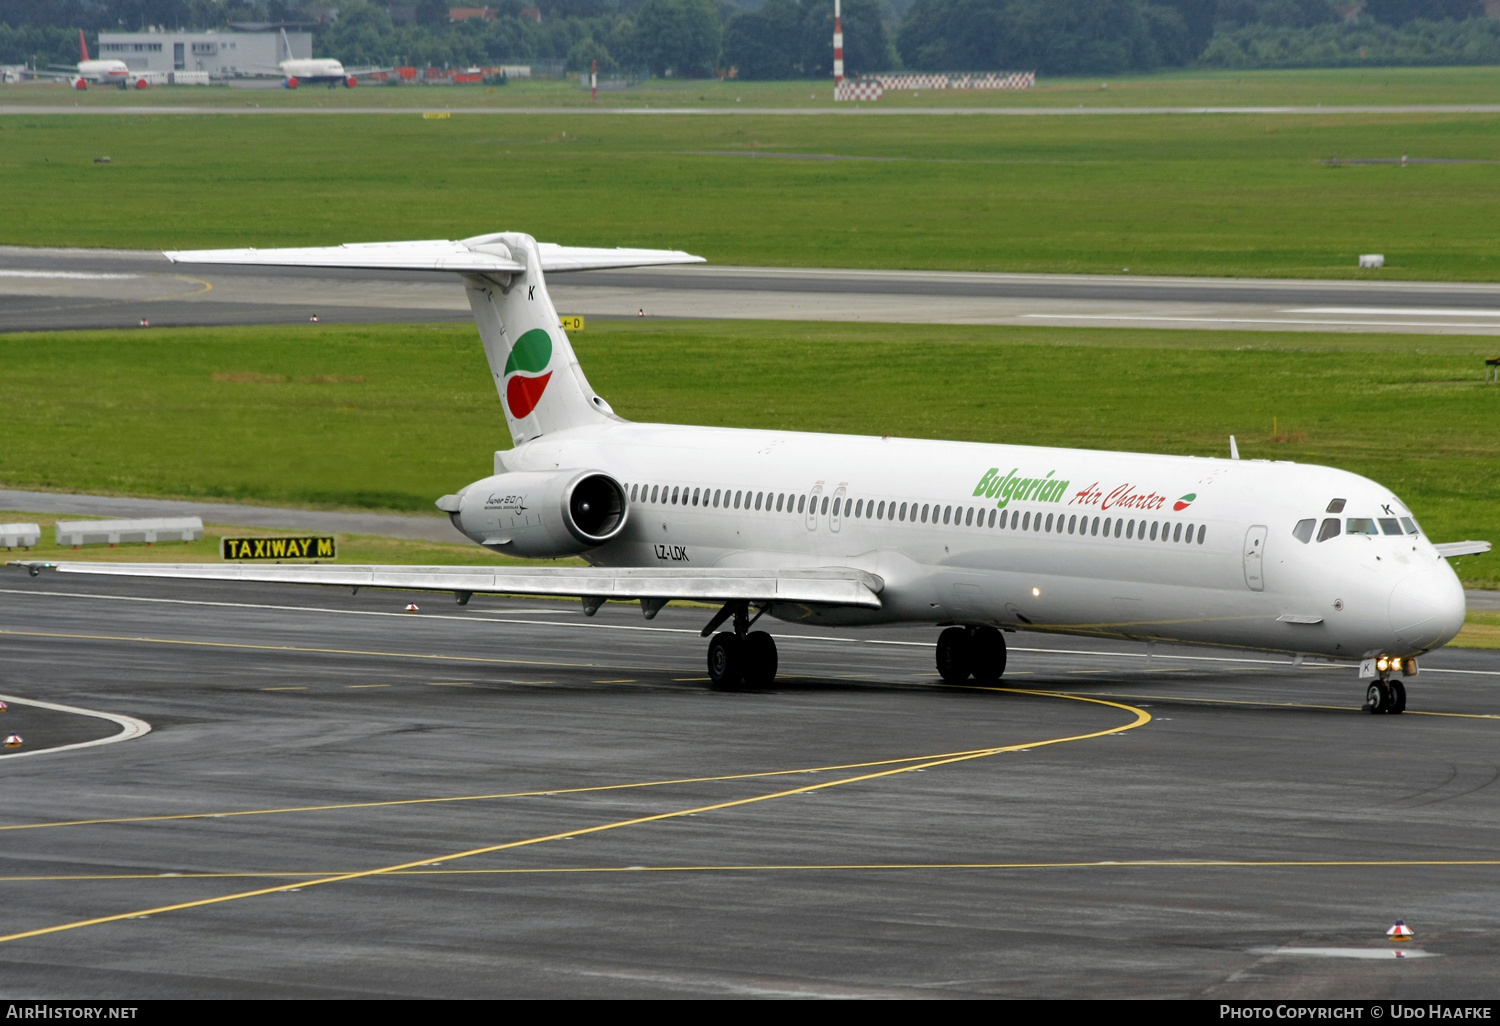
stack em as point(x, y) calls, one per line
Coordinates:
point(220, 54)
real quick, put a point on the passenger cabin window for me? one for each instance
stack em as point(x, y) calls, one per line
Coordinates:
point(1330, 529)
point(1361, 525)
point(1390, 525)
point(1336, 506)
point(801, 504)
point(633, 489)
point(653, 492)
point(1303, 531)
point(1202, 529)
point(825, 506)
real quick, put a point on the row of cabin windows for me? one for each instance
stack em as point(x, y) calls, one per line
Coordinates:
point(1332, 527)
point(962, 516)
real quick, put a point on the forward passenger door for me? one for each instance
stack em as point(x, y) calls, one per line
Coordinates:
point(1255, 558)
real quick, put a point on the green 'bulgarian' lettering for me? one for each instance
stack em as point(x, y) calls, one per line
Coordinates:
point(986, 480)
point(1009, 487)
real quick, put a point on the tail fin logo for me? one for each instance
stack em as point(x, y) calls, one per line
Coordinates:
point(526, 373)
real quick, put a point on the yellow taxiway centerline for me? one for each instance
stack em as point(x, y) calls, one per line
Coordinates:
point(1141, 719)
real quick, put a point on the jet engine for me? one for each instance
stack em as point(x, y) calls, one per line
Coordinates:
point(559, 513)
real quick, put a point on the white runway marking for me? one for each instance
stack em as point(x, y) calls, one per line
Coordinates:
point(1392, 311)
point(130, 727)
point(75, 275)
point(1383, 953)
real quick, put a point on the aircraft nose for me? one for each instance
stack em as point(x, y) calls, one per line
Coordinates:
point(1427, 608)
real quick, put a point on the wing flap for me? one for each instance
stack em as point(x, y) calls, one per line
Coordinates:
point(840, 586)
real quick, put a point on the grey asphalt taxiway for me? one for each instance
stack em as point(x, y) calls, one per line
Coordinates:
point(509, 799)
point(56, 289)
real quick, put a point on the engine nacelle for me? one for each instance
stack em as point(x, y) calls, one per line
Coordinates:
point(559, 513)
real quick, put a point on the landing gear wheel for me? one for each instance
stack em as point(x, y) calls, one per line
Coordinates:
point(726, 663)
point(758, 652)
point(1398, 698)
point(987, 654)
point(1378, 697)
point(953, 655)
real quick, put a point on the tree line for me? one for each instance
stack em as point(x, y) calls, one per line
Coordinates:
point(791, 39)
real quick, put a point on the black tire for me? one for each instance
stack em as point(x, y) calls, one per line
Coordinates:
point(726, 663)
point(1398, 698)
point(759, 654)
point(1377, 697)
point(953, 656)
point(987, 654)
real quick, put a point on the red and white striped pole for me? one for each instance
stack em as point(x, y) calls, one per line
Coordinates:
point(838, 44)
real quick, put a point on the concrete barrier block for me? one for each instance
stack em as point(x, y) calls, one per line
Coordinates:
point(23, 536)
point(118, 532)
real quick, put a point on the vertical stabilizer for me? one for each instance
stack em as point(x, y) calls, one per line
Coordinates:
point(541, 385)
point(83, 47)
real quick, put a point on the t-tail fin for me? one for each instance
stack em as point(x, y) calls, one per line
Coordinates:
point(536, 373)
point(83, 47)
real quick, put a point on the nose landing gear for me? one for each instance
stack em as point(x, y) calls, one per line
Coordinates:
point(742, 657)
point(1385, 696)
point(964, 652)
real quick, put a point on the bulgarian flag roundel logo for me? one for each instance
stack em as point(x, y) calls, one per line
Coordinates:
point(1182, 503)
point(526, 373)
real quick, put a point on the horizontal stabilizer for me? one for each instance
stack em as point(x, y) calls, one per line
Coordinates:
point(482, 254)
point(839, 586)
point(1464, 548)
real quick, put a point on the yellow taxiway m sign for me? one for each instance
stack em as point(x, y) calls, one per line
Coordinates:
point(279, 548)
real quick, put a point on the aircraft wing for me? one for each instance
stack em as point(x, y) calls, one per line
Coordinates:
point(473, 256)
point(1463, 548)
point(840, 586)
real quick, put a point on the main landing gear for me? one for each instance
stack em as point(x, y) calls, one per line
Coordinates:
point(964, 652)
point(1385, 696)
point(742, 657)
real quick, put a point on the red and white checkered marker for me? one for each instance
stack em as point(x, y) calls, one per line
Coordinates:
point(411, 607)
point(1399, 932)
point(3, 707)
point(13, 741)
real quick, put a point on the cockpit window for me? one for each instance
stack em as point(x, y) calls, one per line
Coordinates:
point(1361, 525)
point(1390, 525)
point(1410, 525)
point(1336, 506)
point(1330, 529)
point(1303, 531)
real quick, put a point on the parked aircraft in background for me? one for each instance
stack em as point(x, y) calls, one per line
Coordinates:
point(299, 71)
point(841, 530)
point(97, 72)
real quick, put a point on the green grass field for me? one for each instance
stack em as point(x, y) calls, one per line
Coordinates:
point(1233, 195)
point(394, 416)
point(1331, 87)
point(352, 548)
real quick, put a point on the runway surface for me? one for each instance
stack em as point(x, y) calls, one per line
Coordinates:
point(57, 289)
point(507, 798)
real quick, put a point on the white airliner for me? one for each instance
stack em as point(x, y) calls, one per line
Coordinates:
point(844, 530)
point(297, 71)
point(99, 72)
